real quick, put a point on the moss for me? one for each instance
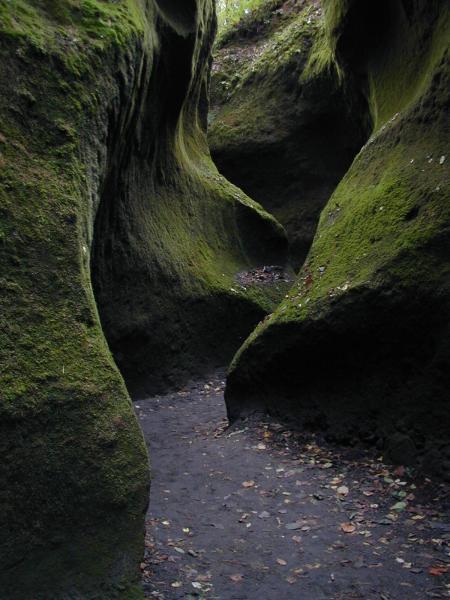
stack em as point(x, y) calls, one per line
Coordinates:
point(246, 19)
point(60, 391)
point(370, 306)
point(105, 184)
point(280, 126)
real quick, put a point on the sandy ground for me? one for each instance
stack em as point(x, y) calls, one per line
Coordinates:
point(258, 512)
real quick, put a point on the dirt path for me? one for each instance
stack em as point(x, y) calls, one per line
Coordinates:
point(257, 512)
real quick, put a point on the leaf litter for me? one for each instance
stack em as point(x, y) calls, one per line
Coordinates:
point(258, 482)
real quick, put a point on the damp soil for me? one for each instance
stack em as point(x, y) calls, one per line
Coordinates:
point(256, 511)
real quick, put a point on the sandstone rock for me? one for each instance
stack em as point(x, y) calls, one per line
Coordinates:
point(284, 126)
point(370, 335)
point(105, 183)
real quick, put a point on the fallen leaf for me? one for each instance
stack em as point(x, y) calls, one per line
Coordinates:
point(437, 571)
point(293, 526)
point(313, 566)
point(399, 506)
point(348, 527)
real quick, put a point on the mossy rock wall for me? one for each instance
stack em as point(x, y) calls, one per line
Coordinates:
point(360, 348)
point(105, 183)
point(285, 124)
point(177, 233)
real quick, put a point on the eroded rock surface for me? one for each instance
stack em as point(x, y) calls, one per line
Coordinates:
point(105, 183)
point(360, 348)
point(284, 124)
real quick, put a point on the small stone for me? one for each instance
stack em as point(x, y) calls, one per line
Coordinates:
point(293, 526)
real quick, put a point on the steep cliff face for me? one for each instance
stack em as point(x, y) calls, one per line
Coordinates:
point(171, 233)
point(285, 126)
point(360, 348)
point(104, 171)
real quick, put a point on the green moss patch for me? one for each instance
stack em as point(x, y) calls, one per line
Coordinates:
point(100, 118)
point(363, 335)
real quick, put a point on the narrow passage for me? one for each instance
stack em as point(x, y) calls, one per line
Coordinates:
point(258, 512)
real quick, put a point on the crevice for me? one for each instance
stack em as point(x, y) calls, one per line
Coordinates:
point(162, 235)
point(307, 131)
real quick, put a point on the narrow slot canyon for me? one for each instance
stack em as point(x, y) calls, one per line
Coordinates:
point(225, 306)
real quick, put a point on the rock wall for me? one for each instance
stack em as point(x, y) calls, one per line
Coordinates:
point(285, 124)
point(171, 233)
point(360, 348)
point(105, 184)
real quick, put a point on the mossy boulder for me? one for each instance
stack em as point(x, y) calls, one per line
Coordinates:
point(105, 184)
point(360, 347)
point(284, 124)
